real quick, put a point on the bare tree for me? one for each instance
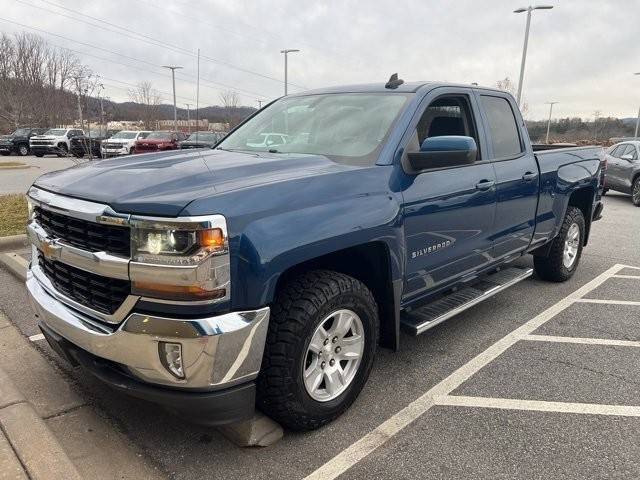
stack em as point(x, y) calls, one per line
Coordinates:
point(506, 85)
point(149, 98)
point(30, 71)
point(230, 100)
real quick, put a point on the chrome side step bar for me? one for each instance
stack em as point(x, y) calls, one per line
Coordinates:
point(422, 319)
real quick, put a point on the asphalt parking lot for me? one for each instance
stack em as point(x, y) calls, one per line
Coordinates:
point(540, 381)
point(19, 180)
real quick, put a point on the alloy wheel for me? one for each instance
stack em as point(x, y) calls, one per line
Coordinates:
point(333, 355)
point(571, 246)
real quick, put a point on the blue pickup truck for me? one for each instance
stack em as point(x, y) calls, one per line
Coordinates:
point(267, 271)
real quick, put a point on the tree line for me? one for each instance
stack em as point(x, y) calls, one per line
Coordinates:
point(46, 86)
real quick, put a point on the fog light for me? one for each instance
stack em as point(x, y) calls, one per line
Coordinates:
point(171, 358)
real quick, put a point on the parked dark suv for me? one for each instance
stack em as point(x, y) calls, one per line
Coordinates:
point(18, 141)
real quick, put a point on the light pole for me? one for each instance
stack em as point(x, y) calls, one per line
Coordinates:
point(551, 104)
point(173, 69)
point(189, 119)
point(528, 9)
point(286, 52)
point(638, 119)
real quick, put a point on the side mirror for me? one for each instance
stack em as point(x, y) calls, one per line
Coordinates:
point(442, 152)
point(628, 157)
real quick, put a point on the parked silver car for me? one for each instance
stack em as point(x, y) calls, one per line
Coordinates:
point(623, 169)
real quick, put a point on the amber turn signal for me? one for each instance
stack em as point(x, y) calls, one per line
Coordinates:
point(175, 292)
point(212, 237)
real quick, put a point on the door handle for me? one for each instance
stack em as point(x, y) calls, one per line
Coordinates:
point(529, 176)
point(485, 184)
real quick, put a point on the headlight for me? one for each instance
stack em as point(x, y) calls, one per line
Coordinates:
point(30, 209)
point(183, 259)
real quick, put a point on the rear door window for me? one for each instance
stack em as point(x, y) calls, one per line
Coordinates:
point(505, 135)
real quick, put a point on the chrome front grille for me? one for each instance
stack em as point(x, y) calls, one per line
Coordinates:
point(94, 291)
point(90, 236)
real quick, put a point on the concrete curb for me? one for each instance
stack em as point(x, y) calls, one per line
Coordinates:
point(15, 264)
point(31, 439)
point(13, 242)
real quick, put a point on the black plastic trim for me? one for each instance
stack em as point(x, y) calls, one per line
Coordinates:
point(210, 408)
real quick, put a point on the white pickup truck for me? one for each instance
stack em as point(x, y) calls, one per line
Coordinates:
point(54, 140)
point(122, 143)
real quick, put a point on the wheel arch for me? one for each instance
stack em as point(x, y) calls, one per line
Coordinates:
point(582, 198)
point(370, 263)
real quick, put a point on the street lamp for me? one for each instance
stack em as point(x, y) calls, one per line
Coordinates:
point(528, 9)
point(173, 69)
point(189, 118)
point(551, 104)
point(638, 119)
point(287, 51)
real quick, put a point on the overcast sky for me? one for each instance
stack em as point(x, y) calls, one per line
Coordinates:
point(582, 53)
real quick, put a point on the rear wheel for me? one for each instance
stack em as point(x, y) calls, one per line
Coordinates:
point(62, 150)
point(322, 339)
point(23, 150)
point(39, 155)
point(5, 154)
point(635, 192)
point(563, 258)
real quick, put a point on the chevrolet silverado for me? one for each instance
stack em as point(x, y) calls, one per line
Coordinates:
point(252, 275)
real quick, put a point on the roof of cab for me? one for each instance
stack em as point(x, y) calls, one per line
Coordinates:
point(407, 87)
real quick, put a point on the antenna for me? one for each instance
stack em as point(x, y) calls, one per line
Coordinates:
point(394, 82)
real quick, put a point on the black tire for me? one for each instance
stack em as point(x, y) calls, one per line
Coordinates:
point(132, 151)
point(23, 150)
point(5, 154)
point(552, 267)
point(39, 155)
point(635, 192)
point(63, 151)
point(300, 306)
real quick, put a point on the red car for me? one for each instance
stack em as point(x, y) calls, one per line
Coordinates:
point(159, 141)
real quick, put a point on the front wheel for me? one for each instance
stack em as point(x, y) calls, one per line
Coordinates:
point(23, 150)
point(63, 150)
point(635, 192)
point(322, 340)
point(563, 258)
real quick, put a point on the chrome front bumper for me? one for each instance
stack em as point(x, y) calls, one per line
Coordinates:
point(218, 352)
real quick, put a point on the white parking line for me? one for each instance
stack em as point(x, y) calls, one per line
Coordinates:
point(626, 276)
point(540, 406)
point(385, 431)
point(607, 302)
point(586, 341)
point(37, 337)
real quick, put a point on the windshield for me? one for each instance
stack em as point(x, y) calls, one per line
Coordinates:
point(159, 136)
point(349, 127)
point(205, 137)
point(21, 132)
point(57, 132)
point(125, 135)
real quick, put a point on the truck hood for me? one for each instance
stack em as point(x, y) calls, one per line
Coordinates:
point(44, 137)
point(163, 184)
point(154, 141)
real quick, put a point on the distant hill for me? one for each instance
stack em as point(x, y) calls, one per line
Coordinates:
point(130, 111)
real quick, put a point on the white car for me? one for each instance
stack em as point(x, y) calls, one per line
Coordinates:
point(122, 143)
point(54, 140)
point(267, 140)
